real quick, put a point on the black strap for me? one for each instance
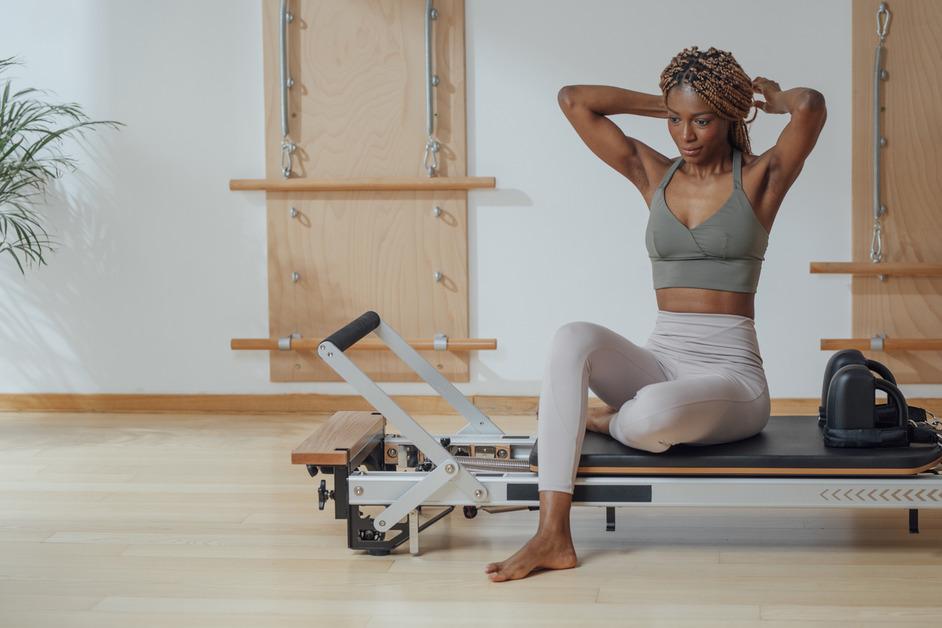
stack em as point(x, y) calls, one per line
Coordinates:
point(867, 437)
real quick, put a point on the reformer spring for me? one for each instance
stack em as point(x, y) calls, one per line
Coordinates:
point(493, 464)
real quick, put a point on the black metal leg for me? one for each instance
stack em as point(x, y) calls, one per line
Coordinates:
point(913, 521)
point(341, 499)
point(609, 518)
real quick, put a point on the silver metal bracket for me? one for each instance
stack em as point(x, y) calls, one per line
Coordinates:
point(284, 343)
point(414, 532)
point(447, 471)
point(876, 342)
point(443, 474)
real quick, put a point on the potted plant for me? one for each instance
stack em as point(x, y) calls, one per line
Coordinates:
point(31, 133)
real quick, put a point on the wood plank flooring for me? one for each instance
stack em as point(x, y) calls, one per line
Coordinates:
point(200, 520)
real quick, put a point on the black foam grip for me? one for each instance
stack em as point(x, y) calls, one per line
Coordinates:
point(352, 332)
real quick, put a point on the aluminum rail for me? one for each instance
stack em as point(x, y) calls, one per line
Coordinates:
point(331, 351)
point(879, 75)
point(521, 489)
point(287, 147)
point(432, 145)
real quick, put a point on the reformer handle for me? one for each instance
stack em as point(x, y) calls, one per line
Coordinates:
point(895, 395)
point(881, 369)
point(354, 331)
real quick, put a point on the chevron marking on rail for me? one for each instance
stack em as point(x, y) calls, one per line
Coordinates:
point(886, 495)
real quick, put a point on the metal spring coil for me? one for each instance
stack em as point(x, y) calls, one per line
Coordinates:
point(493, 464)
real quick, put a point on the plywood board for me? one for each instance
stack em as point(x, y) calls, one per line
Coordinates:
point(358, 109)
point(912, 159)
point(359, 251)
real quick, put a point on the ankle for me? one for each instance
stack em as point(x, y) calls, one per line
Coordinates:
point(555, 532)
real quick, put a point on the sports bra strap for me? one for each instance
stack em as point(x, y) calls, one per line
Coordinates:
point(737, 169)
point(670, 172)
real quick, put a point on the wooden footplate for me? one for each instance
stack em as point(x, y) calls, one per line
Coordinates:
point(341, 439)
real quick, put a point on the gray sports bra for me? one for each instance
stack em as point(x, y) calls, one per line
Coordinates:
point(725, 252)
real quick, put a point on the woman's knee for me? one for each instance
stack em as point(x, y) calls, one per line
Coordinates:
point(656, 424)
point(644, 422)
point(573, 331)
point(574, 338)
point(639, 435)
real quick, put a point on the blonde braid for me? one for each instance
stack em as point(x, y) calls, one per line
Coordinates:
point(720, 81)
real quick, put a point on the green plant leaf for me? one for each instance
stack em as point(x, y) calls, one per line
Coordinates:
point(31, 133)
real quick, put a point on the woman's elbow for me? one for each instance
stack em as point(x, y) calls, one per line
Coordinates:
point(815, 100)
point(566, 95)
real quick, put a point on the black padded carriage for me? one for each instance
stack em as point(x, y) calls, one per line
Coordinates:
point(788, 446)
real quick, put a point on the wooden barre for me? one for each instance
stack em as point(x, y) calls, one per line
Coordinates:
point(310, 344)
point(368, 184)
point(889, 344)
point(907, 269)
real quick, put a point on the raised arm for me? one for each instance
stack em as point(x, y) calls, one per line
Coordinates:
point(808, 112)
point(586, 108)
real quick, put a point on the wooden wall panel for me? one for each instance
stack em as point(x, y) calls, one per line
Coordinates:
point(912, 160)
point(358, 104)
point(357, 109)
point(359, 251)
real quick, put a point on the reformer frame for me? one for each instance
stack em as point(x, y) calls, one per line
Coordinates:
point(480, 467)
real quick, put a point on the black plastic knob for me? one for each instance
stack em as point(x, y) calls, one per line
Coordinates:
point(323, 495)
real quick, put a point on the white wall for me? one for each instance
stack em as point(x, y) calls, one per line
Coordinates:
point(160, 265)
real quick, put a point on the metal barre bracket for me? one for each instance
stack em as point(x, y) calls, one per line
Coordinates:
point(876, 342)
point(284, 342)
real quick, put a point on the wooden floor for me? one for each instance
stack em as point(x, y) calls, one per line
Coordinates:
point(200, 520)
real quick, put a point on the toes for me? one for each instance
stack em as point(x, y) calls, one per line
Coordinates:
point(504, 574)
point(492, 567)
point(497, 576)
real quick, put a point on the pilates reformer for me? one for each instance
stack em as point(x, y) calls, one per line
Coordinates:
point(481, 468)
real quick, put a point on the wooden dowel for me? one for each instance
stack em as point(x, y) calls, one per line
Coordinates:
point(907, 269)
point(310, 344)
point(364, 184)
point(889, 344)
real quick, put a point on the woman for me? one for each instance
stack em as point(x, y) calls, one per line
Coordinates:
point(699, 378)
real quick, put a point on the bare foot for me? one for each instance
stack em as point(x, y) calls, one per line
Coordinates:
point(543, 551)
point(599, 418)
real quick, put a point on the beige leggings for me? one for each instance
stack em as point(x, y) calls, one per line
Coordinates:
point(697, 380)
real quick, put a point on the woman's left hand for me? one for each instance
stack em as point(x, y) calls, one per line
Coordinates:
point(771, 91)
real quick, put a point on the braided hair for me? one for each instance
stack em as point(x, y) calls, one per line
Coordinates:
point(720, 81)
